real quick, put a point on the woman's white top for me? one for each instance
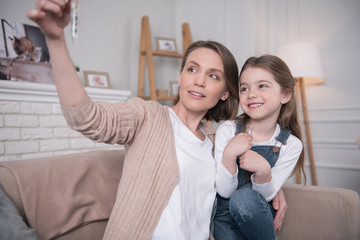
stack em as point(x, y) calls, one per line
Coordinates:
point(187, 215)
point(226, 183)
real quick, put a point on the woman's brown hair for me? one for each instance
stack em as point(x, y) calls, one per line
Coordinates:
point(288, 114)
point(227, 109)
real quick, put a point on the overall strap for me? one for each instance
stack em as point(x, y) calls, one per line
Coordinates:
point(237, 131)
point(283, 136)
point(239, 127)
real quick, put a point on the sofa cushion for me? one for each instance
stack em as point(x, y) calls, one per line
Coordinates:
point(65, 192)
point(321, 213)
point(12, 225)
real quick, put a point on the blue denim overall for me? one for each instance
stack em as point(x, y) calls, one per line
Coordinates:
point(247, 215)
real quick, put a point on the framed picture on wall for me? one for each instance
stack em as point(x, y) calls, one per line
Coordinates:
point(24, 42)
point(24, 55)
point(7, 30)
point(97, 79)
point(174, 88)
point(166, 44)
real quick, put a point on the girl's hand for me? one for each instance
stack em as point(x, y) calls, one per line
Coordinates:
point(52, 16)
point(239, 144)
point(254, 162)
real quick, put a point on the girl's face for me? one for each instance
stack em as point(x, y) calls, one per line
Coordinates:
point(202, 81)
point(261, 97)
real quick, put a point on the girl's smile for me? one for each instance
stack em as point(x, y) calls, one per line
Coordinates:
point(255, 105)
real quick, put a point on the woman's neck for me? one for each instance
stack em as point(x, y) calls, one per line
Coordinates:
point(190, 119)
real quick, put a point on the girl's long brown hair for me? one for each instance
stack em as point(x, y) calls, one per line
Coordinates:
point(288, 114)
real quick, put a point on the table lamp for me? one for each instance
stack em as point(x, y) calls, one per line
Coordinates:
point(306, 67)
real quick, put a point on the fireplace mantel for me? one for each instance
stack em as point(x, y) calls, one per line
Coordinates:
point(39, 92)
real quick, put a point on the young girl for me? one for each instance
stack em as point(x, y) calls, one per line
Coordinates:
point(257, 151)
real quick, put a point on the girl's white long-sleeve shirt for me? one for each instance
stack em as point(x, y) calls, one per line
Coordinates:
point(226, 183)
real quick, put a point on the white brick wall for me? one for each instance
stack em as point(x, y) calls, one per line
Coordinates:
point(30, 129)
point(35, 127)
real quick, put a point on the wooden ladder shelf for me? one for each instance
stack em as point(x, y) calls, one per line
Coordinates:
point(146, 54)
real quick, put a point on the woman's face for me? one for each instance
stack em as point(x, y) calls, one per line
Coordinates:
point(202, 81)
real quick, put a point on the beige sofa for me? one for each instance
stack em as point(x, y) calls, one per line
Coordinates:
point(70, 197)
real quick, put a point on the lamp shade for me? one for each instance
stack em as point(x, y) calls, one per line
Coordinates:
point(304, 61)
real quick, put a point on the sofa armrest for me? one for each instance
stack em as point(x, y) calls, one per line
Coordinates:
point(317, 212)
point(61, 193)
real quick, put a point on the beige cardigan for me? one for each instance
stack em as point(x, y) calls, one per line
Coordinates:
point(150, 171)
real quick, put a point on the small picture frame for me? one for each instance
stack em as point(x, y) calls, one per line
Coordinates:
point(174, 88)
point(166, 44)
point(97, 79)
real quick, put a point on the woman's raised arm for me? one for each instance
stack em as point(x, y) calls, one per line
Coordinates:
point(53, 16)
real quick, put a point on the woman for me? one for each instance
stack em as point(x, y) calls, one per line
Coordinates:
point(167, 185)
